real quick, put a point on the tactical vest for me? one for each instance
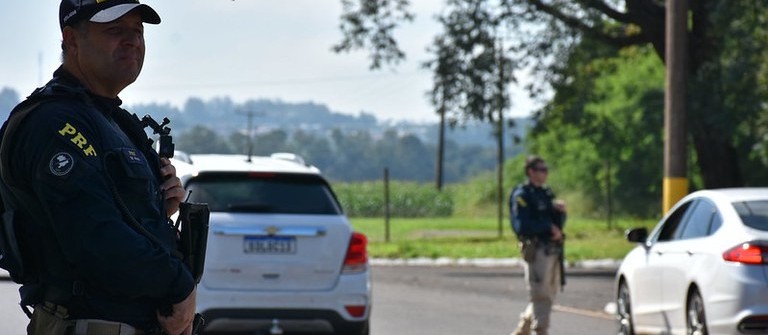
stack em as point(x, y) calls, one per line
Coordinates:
point(22, 222)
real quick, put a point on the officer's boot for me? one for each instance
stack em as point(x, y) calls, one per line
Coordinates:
point(524, 326)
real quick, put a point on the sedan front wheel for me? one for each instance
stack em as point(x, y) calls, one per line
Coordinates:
point(624, 310)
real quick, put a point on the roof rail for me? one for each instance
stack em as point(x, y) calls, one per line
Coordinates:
point(182, 156)
point(291, 157)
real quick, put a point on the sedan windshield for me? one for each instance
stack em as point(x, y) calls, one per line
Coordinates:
point(753, 213)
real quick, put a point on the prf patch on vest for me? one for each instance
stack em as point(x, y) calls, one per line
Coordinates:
point(61, 164)
point(70, 132)
point(520, 201)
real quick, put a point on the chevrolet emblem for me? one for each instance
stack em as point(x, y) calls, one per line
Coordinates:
point(271, 230)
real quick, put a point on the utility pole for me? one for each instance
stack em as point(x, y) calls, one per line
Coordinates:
point(675, 185)
point(500, 142)
point(440, 145)
point(250, 114)
point(675, 132)
point(500, 169)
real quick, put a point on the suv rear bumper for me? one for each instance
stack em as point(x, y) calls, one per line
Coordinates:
point(239, 310)
point(309, 321)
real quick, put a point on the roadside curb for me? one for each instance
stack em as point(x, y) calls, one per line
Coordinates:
point(598, 264)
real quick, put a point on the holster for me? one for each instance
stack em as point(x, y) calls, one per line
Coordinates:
point(193, 241)
point(553, 248)
point(528, 248)
point(49, 319)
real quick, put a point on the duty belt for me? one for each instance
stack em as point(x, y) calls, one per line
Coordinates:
point(90, 326)
point(101, 327)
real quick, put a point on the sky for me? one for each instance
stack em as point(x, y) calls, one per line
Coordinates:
point(245, 49)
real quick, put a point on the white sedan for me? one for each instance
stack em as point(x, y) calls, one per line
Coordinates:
point(702, 270)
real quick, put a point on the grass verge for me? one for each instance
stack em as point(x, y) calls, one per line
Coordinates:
point(458, 237)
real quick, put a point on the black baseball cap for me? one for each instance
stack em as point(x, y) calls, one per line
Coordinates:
point(102, 11)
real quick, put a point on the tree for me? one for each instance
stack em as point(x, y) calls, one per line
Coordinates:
point(355, 159)
point(200, 139)
point(270, 142)
point(314, 148)
point(724, 41)
point(472, 73)
point(468, 70)
point(239, 143)
point(601, 131)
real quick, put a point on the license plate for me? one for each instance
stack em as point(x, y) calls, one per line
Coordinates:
point(269, 245)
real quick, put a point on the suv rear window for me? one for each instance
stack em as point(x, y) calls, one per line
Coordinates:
point(250, 192)
point(753, 213)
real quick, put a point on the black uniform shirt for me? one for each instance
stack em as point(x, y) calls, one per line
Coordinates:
point(68, 152)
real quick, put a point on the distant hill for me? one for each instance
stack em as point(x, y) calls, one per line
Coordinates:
point(346, 147)
point(224, 117)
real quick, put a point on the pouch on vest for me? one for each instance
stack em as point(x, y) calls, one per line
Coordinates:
point(10, 256)
point(13, 259)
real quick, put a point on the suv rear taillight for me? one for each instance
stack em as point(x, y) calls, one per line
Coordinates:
point(747, 253)
point(357, 254)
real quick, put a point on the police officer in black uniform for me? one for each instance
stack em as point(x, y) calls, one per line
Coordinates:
point(98, 197)
point(538, 220)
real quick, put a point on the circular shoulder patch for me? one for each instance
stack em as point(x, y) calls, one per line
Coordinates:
point(61, 163)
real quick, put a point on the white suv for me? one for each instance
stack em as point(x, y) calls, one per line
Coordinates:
point(282, 256)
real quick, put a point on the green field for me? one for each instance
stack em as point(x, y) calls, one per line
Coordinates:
point(457, 237)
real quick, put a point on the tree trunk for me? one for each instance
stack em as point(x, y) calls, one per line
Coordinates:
point(717, 158)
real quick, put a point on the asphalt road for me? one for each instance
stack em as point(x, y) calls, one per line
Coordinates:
point(478, 300)
point(425, 300)
point(12, 319)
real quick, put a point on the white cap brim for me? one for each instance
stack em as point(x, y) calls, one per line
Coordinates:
point(115, 12)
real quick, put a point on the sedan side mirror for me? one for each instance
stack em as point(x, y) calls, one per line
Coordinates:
point(637, 235)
